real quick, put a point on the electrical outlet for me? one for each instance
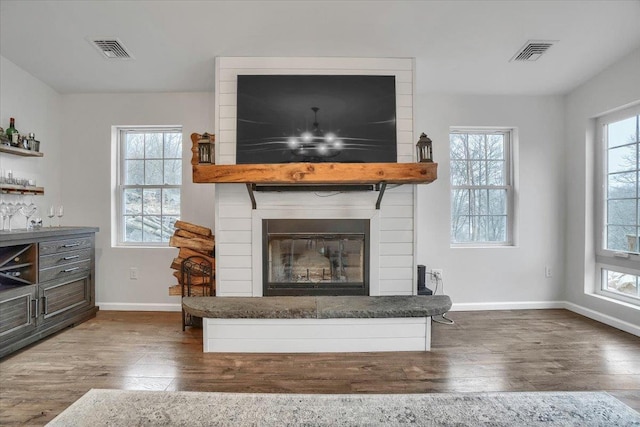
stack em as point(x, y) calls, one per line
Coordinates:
point(435, 279)
point(548, 272)
point(133, 273)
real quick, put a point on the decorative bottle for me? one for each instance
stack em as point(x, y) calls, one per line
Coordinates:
point(12, 132)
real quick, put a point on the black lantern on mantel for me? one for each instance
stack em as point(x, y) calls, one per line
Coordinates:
point(206, 148)
point(424, 148)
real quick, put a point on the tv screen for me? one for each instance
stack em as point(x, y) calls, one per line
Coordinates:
point(316, 118)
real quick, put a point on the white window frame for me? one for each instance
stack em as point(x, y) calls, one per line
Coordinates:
point(509, 137)
point(606, 259)
point(120, 187)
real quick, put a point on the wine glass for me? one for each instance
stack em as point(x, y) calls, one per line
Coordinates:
point(28, 211)
point(19, 206)
point(60, 213)
point(3, 212)
point(11, 211)
point(50, 214)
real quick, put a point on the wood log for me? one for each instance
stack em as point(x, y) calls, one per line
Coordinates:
point(186, 253)
point(204, 246)
point(188, 234)
point(193, 240)
point(318, 173)
point(193, 228)
point(176, 264)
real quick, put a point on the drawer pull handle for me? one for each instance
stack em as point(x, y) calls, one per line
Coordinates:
point(69, 270)
point(71, 245)
point(67, 258)
point(34, 308)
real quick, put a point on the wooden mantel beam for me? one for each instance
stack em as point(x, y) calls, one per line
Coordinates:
point(317, 173)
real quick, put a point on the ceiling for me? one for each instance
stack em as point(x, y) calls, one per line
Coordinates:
point(459, 46)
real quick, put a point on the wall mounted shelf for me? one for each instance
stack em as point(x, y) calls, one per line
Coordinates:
point(19, 151)
point(19, 189)
point(317, 173)
point(334, 174)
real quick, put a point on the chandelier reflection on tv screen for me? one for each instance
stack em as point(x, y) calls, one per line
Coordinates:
point(316, 144)
point(315, 118)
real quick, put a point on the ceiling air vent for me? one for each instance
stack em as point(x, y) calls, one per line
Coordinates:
point(111, 48)
point(532, 50)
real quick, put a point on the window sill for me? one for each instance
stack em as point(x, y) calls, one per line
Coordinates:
point(482, 246)
point(141, 247)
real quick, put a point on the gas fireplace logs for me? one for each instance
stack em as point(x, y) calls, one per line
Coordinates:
point(192, 240)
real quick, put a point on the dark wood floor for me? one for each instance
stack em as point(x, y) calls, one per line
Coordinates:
point(529, 350)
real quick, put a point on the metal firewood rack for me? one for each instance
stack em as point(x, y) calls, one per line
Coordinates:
point(197, 279)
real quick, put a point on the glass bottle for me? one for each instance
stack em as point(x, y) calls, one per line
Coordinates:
point(12, 132)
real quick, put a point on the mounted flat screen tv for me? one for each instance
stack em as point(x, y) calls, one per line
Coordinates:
point(316, 118)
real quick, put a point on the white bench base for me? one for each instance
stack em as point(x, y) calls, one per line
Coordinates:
point(316, 335)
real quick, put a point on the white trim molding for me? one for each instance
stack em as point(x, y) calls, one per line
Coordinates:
point(604, 318)
point(507, 305)
point(546, 305)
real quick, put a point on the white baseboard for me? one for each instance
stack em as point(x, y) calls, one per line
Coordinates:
point(509, 305)
point(124, 306)
point(603, 318)
point(541, 305)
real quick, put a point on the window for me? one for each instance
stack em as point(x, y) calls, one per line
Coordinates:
point(149, 179)
point(481, 187)
point(619, 216)
point(621, 285)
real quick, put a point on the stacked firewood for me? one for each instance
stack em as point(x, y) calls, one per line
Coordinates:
point(192, 240)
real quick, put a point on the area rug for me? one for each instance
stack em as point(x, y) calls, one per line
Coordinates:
point(159, 408)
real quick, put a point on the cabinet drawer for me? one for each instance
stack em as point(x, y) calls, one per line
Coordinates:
point(56, 246)
point(58, 299)
point(65, 271)
point(58, 259)
point(18, 309)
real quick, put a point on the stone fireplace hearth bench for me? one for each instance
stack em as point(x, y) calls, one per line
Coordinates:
point(317, 324)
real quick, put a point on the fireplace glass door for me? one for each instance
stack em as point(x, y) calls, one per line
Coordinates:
point(315, 257)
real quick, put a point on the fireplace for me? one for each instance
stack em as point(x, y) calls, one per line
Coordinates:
point(315, 256)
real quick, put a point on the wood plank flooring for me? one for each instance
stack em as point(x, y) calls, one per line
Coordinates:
point(528, 350)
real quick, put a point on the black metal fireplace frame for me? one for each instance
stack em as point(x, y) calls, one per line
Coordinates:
point(307, 228)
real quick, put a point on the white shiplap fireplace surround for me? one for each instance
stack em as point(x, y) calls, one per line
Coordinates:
point(392, 263)
point(238, 227)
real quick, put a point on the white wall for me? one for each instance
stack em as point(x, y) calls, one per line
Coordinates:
point(36, 108)
point(87, 187)
point(617, 86)
point(507, 277)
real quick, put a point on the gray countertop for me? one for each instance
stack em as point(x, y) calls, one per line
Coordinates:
point(17, 235)
point(322, 307)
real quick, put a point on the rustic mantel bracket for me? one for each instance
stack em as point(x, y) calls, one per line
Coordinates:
point(381, 187)
point(250, 188)
point(253, 187)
